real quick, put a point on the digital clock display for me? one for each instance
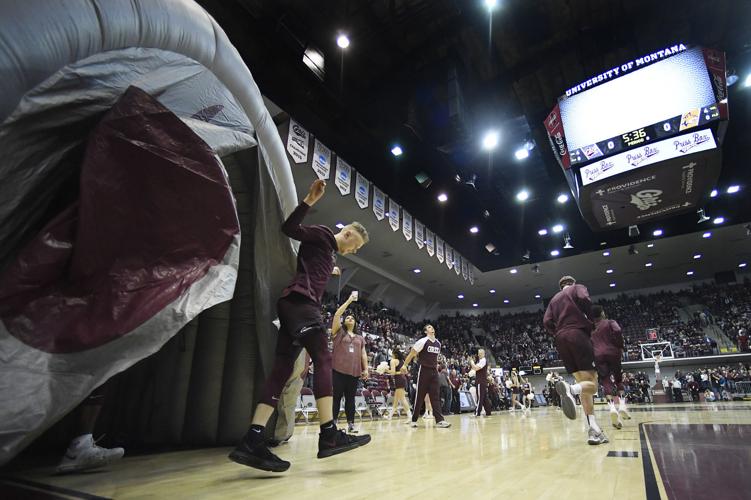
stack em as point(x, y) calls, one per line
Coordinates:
point(635, 137)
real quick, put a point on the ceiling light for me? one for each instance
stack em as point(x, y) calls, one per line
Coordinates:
point(689, 273)
point(742, 264)
point(747, 82)
point(491, 4)
point(555, 253)
point(718, 220)
point(339, 225)
point(342, 41)
point(733, 189)
point(606, 253)
point(706, 235)
point(650, 245)
point(490, 140)
point(443, 197)
point(492, 290)
point(513, 271)
point(416, 270)
point(474, 230)
point(522, 195)
point(612, 285)
point(542, 232)
point(557, 228)
point(732, 78)
point(505, 301)
point(609, 271)
point(713, 193)
point(460, 296)
point(648, 264)
point(396, 151)
point(314, 60)
point(657, 232)
point(562, 198)
point(567, 241)
point(521, 153)
point(475, 304)
point(697, 256)
point(537, 296)
point(490, 247)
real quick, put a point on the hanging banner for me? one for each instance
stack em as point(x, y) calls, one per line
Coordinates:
point(430, 241)
point(297, 142)
point(379, 203)
point(465, 269)
point(457, 263)
point(321, 160)
point(393, 215)
point(471, 276)
point(419, 234)
point(439, 249)
point(449, 257)
point(407, 225)
point(343, 176)
point(362, 190)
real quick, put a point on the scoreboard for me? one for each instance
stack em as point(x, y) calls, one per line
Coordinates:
point(641, 141)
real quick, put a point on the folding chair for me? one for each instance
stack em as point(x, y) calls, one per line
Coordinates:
point(308, 403)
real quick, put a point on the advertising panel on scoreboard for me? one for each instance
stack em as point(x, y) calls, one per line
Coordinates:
point(693, 142)
point(674, 93)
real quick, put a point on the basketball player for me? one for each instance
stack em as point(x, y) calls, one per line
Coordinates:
point(607, 342)
point(567, 319)
point(349, 361)
point(526, 391)
point(426, 350)
point(400, 383)
point(299, 310)
point(481, 376)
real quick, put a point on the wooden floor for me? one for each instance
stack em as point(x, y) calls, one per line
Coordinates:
point(509, 456)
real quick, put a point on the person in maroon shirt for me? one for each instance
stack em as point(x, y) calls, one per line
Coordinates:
point(299, 310)
point(350, 362)
point(426, 350)
point(607, 341)
point(567, 319)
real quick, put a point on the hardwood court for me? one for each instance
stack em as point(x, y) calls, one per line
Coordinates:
point(692, 451)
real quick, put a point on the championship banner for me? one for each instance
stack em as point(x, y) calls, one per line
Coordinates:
point(379, 203)
point(407, 225)
point(419, 234)
point(449, 257)
point(362, 190)
point(343, 176)
point(430, 241)
point(321, 160)
point(465, 269)
point(393, 215)
point(439, 249)
point(471, 276)
point(297, 142)
point(457, 263)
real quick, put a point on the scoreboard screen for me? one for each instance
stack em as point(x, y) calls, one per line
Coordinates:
point(623, 108)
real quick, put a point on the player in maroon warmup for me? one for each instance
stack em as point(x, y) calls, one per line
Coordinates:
point(567, 319)
point(607, 341)
point(301, 326)
point(426, 350)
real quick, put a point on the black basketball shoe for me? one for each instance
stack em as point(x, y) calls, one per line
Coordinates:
point(335, 442)
point(258, 456)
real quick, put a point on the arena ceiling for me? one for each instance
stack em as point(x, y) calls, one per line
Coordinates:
point(433, 76)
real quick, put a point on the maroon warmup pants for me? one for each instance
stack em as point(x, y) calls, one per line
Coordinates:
point(427, 383)
point(296, 312)
point(482, 399)
point(607, 366)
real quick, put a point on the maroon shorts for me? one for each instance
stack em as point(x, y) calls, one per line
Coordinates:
point(575, 349)
point(400, 382)
point(608, 366)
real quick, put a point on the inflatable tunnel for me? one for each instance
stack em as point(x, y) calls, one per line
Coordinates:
point(142, 186)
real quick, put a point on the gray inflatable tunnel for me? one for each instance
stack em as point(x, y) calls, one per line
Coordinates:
point(142, 186)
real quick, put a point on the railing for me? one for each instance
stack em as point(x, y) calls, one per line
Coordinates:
point(743, 387)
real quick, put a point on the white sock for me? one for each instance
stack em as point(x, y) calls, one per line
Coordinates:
point(612, 407)
point(576, 389)
point(593, 423)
